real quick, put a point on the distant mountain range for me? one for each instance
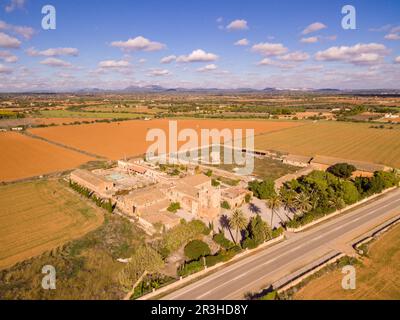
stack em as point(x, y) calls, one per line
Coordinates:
point(269, 90)
point(160, 89)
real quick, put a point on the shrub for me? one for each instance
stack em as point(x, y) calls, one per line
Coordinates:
point(249, 243)
point(174, 207)
point(178, 236)
point(220, 239)
point(277, 232)
point(247, 198)
point(342, 170)
point(190, 268)
point(144, 259)
point(225, 205)
point(215, 183)
point(196, 249)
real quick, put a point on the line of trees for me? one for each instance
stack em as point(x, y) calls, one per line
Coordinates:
point(320, 193)
point(105, 204)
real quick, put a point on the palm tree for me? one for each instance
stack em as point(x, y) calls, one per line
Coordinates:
point(288, 198)
point(337, 203)
point(238, 221)
point(274, 203)
point(303, 203)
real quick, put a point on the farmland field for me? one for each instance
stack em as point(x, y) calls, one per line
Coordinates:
point(83, 114)
point(23, 157)
point(116, 140)
point(377, 278)
point(356, 141)
point(39, 216)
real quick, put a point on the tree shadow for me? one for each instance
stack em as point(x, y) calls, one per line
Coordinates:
point(254, 209)
point(225, 224)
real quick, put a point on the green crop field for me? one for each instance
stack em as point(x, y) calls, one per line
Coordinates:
point(356, 141)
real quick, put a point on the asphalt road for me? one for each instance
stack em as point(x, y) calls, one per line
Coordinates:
point(260, 270)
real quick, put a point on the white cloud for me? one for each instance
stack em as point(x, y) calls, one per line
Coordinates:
point(114, 64)
point(142, 60)
point(198, 55)
point(15, 4)
point(53, 52)
point(26, 32)
point(7, 56)
point(5, 70)
point(314, 27)
point(395, 29)
point(239, 24)
point(397, 60)
point(242, 42)
point(371, 53)
point(159, 72)
point(54, 62)
point(273, 63)
point(168, 59)
point(209, 67)
point(309, 40)
point(392, 36)
point(9, 42)
point(138, 44)
point(296, 56)
point(269, 49)
point(381, 29)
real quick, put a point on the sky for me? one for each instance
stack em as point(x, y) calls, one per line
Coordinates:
point(192, 44)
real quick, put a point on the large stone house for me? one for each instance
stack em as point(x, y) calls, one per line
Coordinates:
point(93, 182)
point(197, 196)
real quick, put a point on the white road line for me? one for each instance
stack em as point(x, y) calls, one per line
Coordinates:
point(244, 262)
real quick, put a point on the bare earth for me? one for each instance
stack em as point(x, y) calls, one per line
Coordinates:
point(128, 138)
point(23, 157)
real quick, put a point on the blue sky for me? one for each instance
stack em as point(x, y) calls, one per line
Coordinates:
point(114, 44)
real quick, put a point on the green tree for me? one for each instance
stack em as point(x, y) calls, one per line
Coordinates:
point(144, 259)
point(342, 170)
point(274, 203)
point(264, 189)
point(259, 230)
point(196, 249)
point(303, 203)
point(337, 203)
point(174, 207)
point(288, 197)
point(238, 222)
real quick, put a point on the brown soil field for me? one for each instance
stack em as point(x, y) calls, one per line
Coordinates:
point(24, 157)
point(355, 141)
point(128, 138)
point(378, 278)
point(39, 121)
point(39, 216)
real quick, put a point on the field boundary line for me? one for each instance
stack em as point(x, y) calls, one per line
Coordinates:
point(58, 144)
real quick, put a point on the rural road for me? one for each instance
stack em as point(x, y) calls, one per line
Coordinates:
point(260, 270)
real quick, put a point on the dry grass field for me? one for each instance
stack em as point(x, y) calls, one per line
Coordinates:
point(356, 141)
point(23, 157)
point(38, 216)
point(128, 138)
point(377, 278)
